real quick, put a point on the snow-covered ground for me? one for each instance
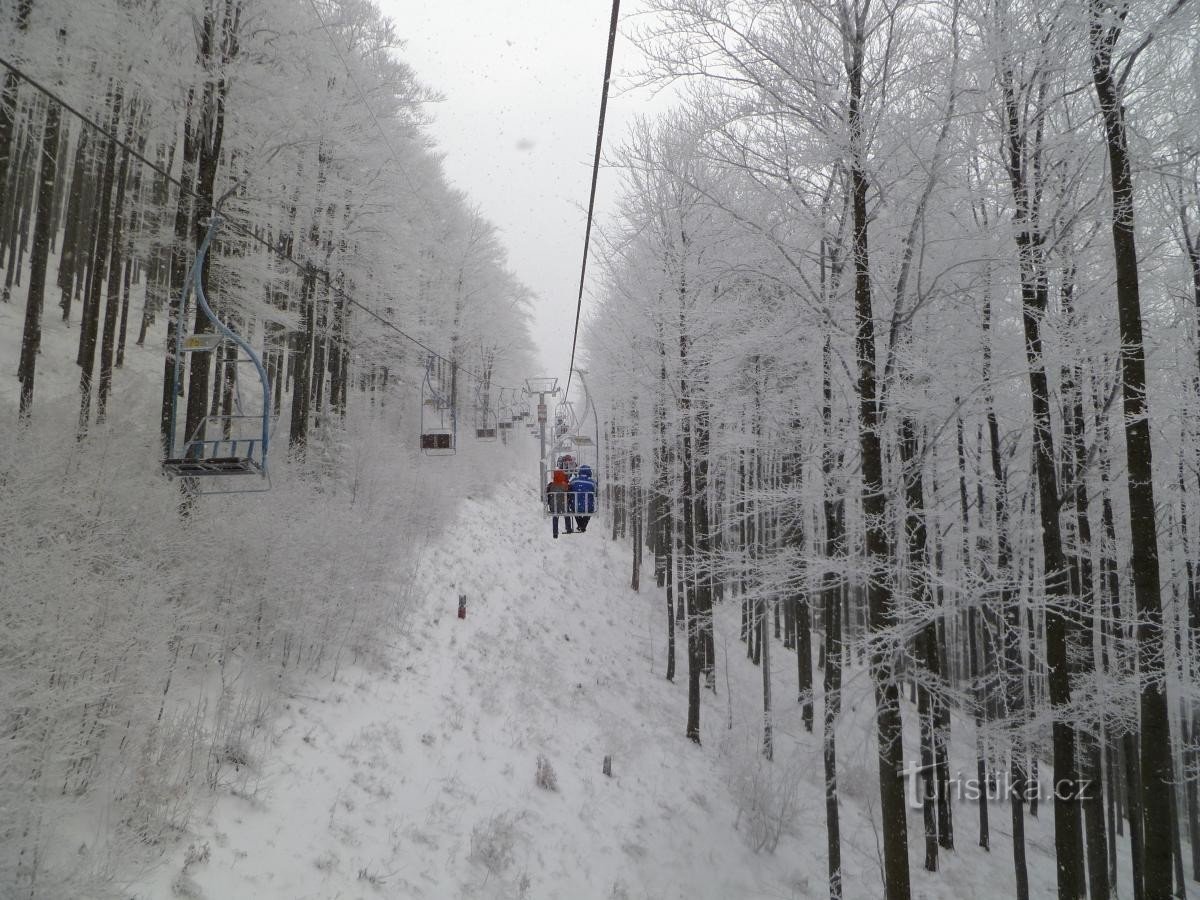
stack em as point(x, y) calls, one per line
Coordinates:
point(421, 780)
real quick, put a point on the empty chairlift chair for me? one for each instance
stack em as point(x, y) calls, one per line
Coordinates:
point(485, 428)
point(485, 414)
point(506, 416)
point(233, 437)
point(438, 429)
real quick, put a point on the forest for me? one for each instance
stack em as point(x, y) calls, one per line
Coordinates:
point(147, 632)
point(898, 343)
point(893, 334)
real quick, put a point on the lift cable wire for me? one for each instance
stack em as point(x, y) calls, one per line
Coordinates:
point(587, 235)
point(241, 229)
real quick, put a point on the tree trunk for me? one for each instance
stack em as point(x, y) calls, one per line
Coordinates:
point(768, 746)
point(123, 330)
point(112, 303)
point(24, 177)
point(89, 326)
point(1190, 798)
point(926, 643)
point(799, 618)
point(831, 587)
point(217, 45)
point(1137, 850)
point(302, 360)
point(1010, 610)
point(1067, 833)
point(690, 580)
point(669, 568)
point(31, 336)
point(664, 523)
point(1157, 775)
point(635, 500)
point(8, 105)
point(320, 339)
point(70, 258)
point(977, 659)
point(881, 605)
point(1091, 760)
point(184, 214)
point(804, 660)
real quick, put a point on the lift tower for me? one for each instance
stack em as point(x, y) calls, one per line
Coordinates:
point(542, 388)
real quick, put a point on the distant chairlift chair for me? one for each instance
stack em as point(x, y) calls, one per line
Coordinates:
point(486, 431)
point(438, 431)
point(485, 417)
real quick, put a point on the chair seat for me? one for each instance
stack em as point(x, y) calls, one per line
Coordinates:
point(190, 467)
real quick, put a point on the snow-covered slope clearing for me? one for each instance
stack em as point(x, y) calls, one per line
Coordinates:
point(471, 766)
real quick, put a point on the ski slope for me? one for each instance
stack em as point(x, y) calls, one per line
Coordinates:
point(420, 781)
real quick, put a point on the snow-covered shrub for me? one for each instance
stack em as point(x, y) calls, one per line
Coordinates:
point(327, 861)
point(142, 652)
point(767, 795)
point(183, 884)
point(493, 842)
point(185, 887)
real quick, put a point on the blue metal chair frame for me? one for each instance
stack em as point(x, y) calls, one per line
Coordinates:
point(200, 456)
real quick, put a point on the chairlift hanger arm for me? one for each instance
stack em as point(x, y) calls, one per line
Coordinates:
point(198, 286)
point(235, 451)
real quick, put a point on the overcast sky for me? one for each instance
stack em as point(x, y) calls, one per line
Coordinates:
point(518, 127)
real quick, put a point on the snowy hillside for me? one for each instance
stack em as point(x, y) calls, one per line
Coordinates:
point(420, 779)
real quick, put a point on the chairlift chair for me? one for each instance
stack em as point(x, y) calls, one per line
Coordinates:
point(485, 424)
point(243, 425)
point(565, 420)
point(437, 442)
point(569, 440)
point(485, 416)
point(438, 421)
point(575, 503)
point(506, 413)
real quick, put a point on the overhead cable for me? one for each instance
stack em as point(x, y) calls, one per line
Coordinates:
point(587, 234)
point(240, 229)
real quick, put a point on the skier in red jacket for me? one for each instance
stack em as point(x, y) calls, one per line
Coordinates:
point(556, 500)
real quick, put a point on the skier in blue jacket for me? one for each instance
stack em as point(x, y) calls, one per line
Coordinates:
point(582, 497)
